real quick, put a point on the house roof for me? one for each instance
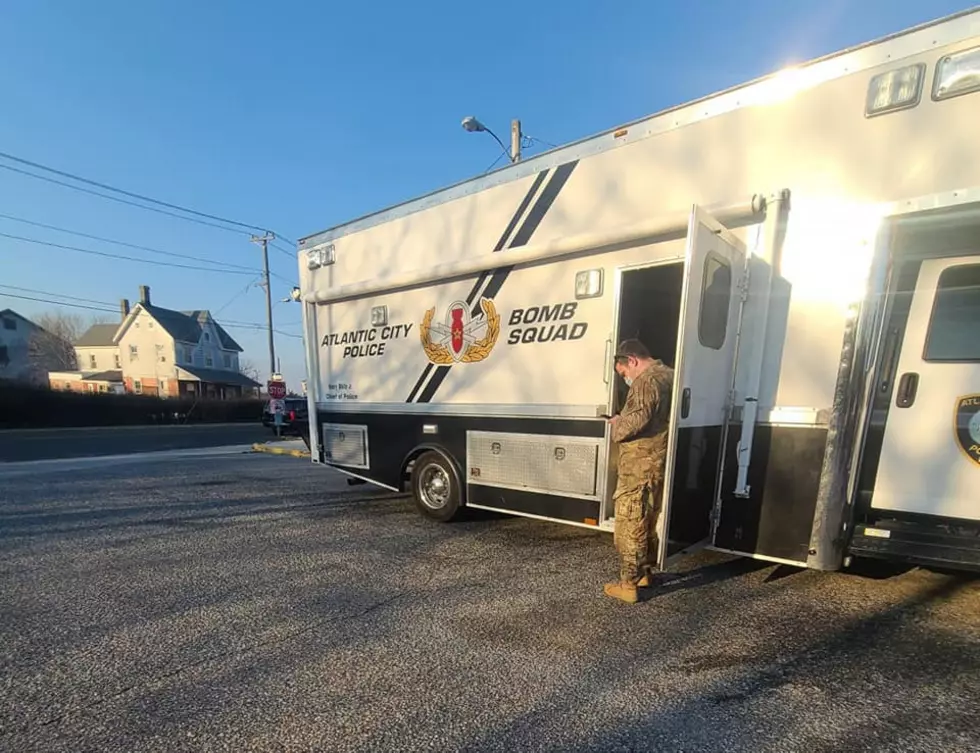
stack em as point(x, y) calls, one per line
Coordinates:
point(219, 376)
point(227, 341)
point(98, 336)
point(103, 376)
point(11, 312)
point(185, 326)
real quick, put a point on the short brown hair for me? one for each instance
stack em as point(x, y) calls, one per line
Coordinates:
point(632, 347)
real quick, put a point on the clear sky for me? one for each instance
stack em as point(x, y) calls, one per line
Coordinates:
point(298, 116)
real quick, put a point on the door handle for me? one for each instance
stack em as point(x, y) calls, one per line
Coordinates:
point(907, 387)
point(685, 402)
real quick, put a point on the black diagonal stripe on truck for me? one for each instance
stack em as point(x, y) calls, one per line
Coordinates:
point(520, 210)
point(522, 207)
point(499, 276)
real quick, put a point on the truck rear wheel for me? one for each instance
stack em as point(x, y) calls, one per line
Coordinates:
point(435, 487)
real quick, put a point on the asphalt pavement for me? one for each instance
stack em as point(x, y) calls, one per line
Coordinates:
point(19, 445)
point(258, 603)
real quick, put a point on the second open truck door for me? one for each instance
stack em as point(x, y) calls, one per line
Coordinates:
point(707, 344)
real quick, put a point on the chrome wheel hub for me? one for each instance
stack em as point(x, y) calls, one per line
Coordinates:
point(434, 487)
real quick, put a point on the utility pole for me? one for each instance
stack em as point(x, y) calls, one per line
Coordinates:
point(264, 241)
point(515, 141)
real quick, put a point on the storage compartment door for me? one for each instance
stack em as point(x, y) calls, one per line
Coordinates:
point(711, 304)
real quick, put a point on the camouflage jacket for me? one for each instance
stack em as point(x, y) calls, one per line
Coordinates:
point(643, 420)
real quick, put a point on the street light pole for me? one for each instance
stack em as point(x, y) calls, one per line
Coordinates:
point(264, 242)
point(473, 125)
point(515, 140)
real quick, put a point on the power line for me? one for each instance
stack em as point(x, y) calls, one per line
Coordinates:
point(122, 201)
point(256, 326)
point(141, 197)
point(239, 294)
point(136, 246)
point(533, 139)
point(125, 258)
point(284, 250)
point(494, 163)
point(283, 279)
point(59, 295)
point(58, 303)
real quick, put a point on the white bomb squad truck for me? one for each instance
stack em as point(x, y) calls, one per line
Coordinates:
point(803, 250)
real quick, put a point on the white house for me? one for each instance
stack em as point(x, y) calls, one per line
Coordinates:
point(96, 349)
point(170, 353)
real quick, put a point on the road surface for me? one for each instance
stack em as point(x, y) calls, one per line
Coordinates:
point(42, 444)
point(258, 603)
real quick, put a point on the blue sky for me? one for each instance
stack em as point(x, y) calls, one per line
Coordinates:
point(299, 116)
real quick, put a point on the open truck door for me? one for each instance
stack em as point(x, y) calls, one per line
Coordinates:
point(711, 305)
point(930, 454)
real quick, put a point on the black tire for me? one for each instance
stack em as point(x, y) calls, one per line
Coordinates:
point(435, 487)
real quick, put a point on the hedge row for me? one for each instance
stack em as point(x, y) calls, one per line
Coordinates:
point(31, 407)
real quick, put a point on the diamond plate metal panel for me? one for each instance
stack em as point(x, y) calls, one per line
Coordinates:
point(535, 462)
point(345, 444)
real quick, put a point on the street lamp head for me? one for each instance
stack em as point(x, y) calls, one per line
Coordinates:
point(472, 125)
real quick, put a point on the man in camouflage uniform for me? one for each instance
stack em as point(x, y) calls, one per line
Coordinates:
point(640, 430)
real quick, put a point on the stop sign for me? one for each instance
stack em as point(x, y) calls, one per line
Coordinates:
point(277, 390)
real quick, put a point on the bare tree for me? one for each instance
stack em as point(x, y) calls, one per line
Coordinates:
point(53, 349)
point(249, 370)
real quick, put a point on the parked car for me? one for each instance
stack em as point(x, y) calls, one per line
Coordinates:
point(294, 418)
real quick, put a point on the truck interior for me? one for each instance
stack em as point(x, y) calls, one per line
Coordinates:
point(649, 310)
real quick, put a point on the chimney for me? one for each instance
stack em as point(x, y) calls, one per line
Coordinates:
point(145, 295)
point(124, 308)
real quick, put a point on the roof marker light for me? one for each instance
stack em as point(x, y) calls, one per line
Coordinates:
point(898, 89)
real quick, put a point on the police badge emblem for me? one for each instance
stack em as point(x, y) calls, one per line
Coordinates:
point(966, 426)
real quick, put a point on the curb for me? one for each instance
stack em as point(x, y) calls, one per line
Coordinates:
point(261, 447)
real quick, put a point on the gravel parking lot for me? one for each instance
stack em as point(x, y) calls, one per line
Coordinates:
point(256, 603)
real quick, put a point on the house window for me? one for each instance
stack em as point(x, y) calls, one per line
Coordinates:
point(9, 323)
point(716, 293)
point(207, 337)
point(208, 361)
point(133, 353)
point(227, 361)
point(103, 388)
point(4, 357)
point(160, 356)
point(137, 387)
point(91, 361)
point(118, 361)
point(188, 356)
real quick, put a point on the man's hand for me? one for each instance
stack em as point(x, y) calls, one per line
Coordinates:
point(612, 420)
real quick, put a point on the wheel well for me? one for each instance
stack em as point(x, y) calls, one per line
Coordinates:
point(409, 463)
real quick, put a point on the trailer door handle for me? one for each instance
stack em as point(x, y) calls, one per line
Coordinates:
point(685, 402)
point(907, 387)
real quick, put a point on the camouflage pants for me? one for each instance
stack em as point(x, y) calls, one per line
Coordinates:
point(638, 500)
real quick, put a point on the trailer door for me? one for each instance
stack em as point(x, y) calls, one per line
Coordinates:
point(714, 268)
point(930, 454)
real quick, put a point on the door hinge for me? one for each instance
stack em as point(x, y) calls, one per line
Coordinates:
point(743, 287)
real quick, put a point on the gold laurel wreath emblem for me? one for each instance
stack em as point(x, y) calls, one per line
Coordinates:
point(441, 355)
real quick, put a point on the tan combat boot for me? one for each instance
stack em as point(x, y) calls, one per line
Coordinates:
point(622, 591)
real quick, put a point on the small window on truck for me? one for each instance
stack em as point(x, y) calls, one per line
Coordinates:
point(716, 293)
point(954, 328)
